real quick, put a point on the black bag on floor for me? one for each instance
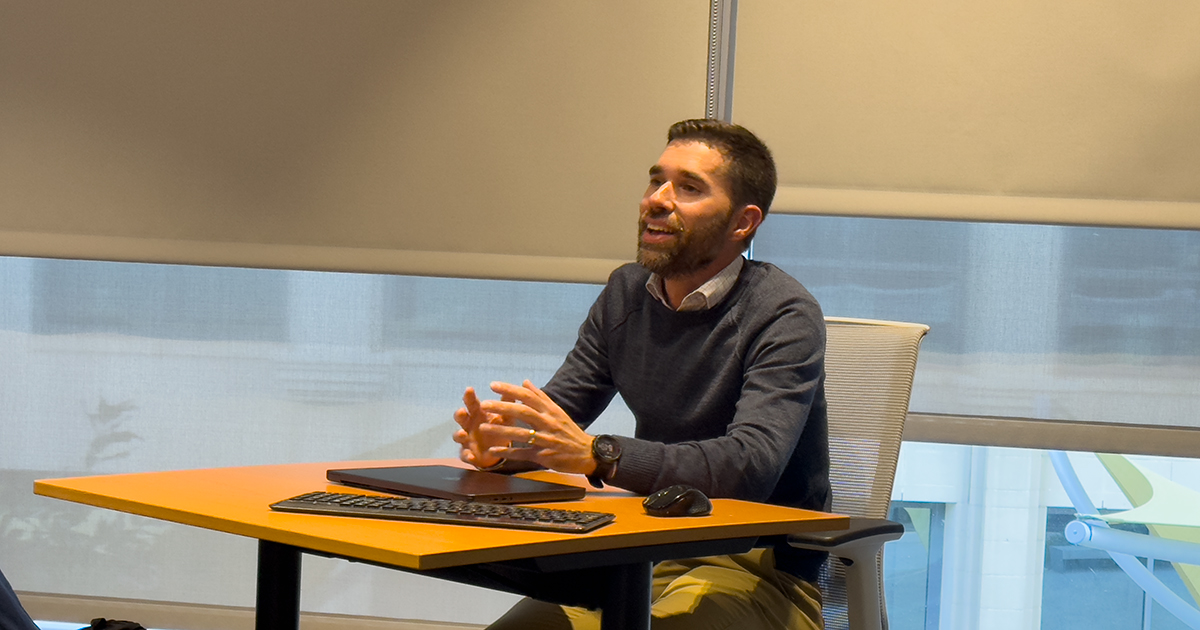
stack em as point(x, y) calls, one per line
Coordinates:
point(113, 624)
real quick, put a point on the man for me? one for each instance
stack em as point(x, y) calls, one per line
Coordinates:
point(12, 614)
point(719, 358)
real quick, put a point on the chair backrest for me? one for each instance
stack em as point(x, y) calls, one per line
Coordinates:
point(869, 367)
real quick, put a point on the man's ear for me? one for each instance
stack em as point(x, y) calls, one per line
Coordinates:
point(747, 223)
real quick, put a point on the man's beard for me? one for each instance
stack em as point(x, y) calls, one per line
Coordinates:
point(692, 250)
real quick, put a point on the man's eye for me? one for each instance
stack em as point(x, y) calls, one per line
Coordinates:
point(689, 188)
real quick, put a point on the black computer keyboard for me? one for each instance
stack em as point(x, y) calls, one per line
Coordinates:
point(445, 511)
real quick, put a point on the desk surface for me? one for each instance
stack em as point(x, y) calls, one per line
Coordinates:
point(235, 500)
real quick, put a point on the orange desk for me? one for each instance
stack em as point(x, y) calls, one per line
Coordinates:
point(608, 568)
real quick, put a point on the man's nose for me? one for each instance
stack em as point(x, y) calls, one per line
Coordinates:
point(663, 196)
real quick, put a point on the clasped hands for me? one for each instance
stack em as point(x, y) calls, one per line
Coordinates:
point(488, 432)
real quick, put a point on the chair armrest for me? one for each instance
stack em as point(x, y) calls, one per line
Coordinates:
point(858, 549)
point(861, 541)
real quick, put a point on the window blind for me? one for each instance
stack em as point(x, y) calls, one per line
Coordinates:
point(451, 138)
point(1067, 112)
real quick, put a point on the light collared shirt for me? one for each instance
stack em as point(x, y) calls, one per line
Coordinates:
point(706, 295)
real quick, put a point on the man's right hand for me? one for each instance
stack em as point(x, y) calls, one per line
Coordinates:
point(474, 444)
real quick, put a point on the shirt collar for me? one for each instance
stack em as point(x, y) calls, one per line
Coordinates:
point(706, 295)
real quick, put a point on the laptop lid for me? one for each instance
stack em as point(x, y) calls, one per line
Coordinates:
point(449, 482)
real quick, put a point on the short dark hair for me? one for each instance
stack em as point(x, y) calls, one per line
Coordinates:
point(749, 167)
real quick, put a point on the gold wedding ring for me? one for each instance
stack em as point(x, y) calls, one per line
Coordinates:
point(532, 437)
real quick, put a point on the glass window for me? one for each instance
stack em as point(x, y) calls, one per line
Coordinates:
point(117, 367)
point(912, 569)
point(984, 541)
point(160, 301)
point(114, 367)
point(1035, 321)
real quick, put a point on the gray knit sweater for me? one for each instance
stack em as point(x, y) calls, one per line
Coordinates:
point(729, 400)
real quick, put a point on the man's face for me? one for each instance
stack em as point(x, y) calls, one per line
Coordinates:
point(686, 212)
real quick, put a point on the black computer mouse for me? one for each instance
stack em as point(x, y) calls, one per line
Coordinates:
point(677, 500)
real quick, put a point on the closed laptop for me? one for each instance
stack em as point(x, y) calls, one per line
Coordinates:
point(449, 482)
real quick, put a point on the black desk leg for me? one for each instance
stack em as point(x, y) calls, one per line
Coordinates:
point(627, 597)
point(278, 605)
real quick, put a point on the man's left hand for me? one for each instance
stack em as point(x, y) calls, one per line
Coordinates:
point(553, 439)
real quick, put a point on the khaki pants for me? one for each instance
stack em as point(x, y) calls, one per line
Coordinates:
point(737, 592)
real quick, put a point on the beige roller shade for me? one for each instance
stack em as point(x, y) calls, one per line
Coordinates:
point(1069, 111)
point(490, 139)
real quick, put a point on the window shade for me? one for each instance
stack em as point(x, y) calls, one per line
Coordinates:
point(1012, 108)
point(446, 138)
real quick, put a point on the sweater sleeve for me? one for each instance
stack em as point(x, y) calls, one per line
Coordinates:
point(583, 385)
point(782, 380)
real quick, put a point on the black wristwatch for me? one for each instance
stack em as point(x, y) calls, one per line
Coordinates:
point(607, 452)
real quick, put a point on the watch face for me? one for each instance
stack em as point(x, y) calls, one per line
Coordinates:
point(606, 448)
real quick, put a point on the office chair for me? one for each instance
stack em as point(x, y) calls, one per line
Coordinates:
point(869, 367)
